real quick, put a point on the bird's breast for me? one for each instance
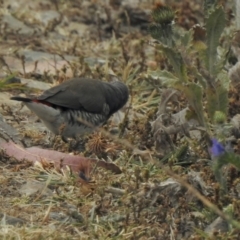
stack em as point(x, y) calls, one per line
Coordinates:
point(79, 122)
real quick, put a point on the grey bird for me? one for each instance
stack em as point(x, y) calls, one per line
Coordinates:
point(76, 106)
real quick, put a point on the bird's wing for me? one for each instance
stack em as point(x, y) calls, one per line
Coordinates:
point(79, 94)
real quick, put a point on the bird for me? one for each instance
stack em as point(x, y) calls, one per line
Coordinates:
point(77, 106)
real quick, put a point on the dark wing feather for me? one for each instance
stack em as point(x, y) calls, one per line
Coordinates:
point(78, 93)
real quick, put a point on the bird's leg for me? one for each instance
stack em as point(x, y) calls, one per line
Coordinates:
point(51, 139)
point(77, 144)
point(54, 141)
point(64, 139)
point(80, 144)
point(71, 145)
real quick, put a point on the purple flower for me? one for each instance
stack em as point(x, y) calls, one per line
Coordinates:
point(217, 148)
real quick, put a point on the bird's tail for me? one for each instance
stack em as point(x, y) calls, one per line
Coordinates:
point(22, 99)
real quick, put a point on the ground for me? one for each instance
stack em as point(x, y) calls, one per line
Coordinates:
point(141, 192)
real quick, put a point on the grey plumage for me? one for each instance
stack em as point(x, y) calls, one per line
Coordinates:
point(65, 108)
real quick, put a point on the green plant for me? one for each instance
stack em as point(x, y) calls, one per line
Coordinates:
point(5, 85)
point(197, 61)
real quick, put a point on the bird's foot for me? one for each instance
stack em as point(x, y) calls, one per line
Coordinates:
point(56, 142)
point(51, 140)
point(77, 145)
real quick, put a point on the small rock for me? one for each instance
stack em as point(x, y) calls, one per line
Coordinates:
point(13, 80)
point(5, 219)
point(32, 187)
point(14, 24)
point(218, 225)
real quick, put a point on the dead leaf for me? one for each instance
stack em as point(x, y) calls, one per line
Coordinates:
point(59, 159)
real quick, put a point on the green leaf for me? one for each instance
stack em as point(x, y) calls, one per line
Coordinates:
point(165, 77)
point(222, 160)
point(209, 5)
point(222, 58)
point(226, 158)
point(163, 33)
point(215, 24)
point(194, 96)
point(176, 60)
point(217, 97)
point(198, 76)
point(192, 91)
point(187, 38)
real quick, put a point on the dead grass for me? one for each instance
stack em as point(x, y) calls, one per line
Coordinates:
point(131, 205)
